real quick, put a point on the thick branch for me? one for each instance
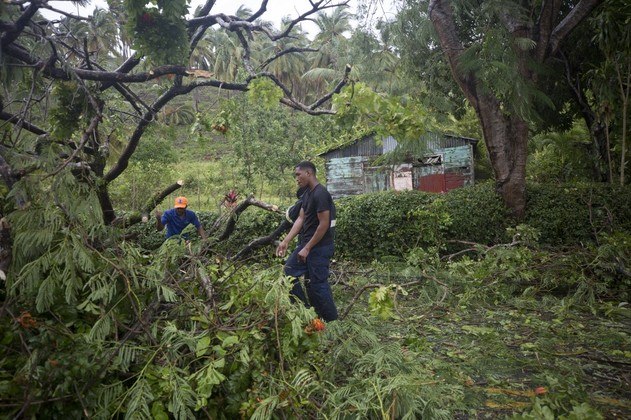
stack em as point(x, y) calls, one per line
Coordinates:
point(151, 204)
point(16, 119)
point(441, 16)
point(264, 240)
point(545, 24)
point(571, 21)
point(23, 55)
point(126, 67)
point(20, 24)
point(233, 216)
point(337, 89)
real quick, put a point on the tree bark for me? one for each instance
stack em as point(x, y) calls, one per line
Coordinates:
point(506, 137)
point(506, 133)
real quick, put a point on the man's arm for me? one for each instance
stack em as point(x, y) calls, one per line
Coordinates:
point(159, 225)
point(282, 247)
point(202, 232)
point(324, 220)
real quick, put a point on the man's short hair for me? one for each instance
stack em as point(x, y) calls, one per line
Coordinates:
point(305, 164)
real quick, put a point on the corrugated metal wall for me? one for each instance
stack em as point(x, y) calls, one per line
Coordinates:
point(348, 171)
point(455, 171)
point(368, 146)
point(345, 176)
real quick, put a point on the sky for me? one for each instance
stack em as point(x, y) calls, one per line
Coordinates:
point(276, 9)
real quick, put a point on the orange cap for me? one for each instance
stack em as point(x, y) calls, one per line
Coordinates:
point(181, 203)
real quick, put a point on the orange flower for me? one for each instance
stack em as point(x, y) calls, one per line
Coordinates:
point(317, 324)
point(540, 390)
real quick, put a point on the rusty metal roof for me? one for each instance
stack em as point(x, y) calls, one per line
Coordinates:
point(369, 146)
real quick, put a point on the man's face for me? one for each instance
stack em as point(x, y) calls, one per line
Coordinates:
point(180, 211)
point(302, 177)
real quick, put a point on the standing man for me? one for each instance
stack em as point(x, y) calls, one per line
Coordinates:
point(315, 223)
point(177, 218)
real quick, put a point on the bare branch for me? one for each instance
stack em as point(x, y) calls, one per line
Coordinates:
point(316, 7)
point(337, 89)
point(16, 119)
point(233, 215)
point(62, 12)
point(152, 203)
point(21, 23)
point(576, 16)
point(262, 241)
point(126, 67)
point(259, 12)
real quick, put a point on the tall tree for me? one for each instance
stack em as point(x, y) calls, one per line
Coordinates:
point(494, 52)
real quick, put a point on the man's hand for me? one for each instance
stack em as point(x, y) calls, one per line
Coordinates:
point(281, 249)
point(159, 225)
point(303, 254)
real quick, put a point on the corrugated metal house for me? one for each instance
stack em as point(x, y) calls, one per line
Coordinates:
point(446, 163)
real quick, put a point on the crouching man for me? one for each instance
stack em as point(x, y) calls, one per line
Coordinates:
point(177, 218)
point(312, 257)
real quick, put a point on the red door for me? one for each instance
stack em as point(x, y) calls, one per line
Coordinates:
point(432, 183)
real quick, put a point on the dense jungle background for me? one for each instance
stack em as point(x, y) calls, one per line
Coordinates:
point(506, 299)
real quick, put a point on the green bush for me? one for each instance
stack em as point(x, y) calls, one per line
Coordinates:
point(371, 226)
point(477, 214)
point(567, 214)
point(379, 224)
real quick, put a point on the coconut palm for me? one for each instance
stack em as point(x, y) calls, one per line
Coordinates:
point(288, 68)
point(327, 65)
point(100, 33)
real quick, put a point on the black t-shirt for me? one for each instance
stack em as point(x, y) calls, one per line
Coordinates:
point(314, 202)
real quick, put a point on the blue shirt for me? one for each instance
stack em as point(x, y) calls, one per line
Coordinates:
point(176, 224)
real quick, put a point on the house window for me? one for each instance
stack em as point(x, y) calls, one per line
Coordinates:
point(431, 160)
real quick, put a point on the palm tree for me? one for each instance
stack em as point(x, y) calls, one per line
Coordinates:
point(288, 68)
point(100, 33)
point(328, 63)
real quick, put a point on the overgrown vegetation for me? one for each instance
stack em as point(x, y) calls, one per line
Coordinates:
point(183, 332)
point(450, 307)
point(390, 223)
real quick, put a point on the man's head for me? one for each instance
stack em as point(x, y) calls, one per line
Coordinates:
point(305, 173)
point(180, 205)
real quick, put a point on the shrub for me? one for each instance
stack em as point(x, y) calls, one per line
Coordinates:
point(389, 223)
point(477, 214)
point(568, 214)
point(378, 224)
point(371, 226)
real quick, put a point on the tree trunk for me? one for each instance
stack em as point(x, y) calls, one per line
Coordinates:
point(505, 132)
point(598, 131)
point(506, 139)
point(106, 205)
